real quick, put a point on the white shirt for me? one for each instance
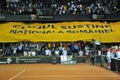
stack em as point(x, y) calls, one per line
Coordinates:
point(112, 55)
point(118, 54)
point(15, 50)
point(33, 53)
point(57, 52)
point(99, 53)
point(65, 52)
point(47, 52)
point(108, 54)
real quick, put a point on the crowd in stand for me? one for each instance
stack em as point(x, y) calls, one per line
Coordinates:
point(80, 48)
point(41, 7)
point(37, 49)
point(114, 5)
point(50, 48)
point(46, 49)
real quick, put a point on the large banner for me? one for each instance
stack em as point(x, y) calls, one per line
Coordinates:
point(62, 31)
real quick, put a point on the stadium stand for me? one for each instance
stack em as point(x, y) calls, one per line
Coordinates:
point(59, 7)
point(55, 9)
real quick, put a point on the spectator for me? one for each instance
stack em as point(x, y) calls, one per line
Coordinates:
point(109, 52)
point(47, 52)
point(1, 52)
point(118, 54)
point(40, 7)
point(14, 48)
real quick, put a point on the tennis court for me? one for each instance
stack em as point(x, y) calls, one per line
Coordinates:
point(81, 71)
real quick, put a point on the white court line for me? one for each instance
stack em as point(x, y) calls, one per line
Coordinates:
point(17, 75)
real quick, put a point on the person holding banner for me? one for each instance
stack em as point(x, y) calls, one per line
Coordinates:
point(57, 52)
point(74, 49)
point(1, 52)
point(47, 52)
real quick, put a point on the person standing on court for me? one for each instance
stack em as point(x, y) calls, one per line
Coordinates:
point(118, 54)
point(109, 53)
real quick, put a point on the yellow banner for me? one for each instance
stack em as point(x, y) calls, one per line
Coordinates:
point(62, 31)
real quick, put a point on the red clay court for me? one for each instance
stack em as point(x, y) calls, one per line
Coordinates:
point(81, 71)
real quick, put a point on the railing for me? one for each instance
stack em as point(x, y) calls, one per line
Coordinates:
point(80, 17)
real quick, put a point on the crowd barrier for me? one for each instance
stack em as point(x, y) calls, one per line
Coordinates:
point(64, 17)
point(115, 64)
point(102, 60)
point(39, 59)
